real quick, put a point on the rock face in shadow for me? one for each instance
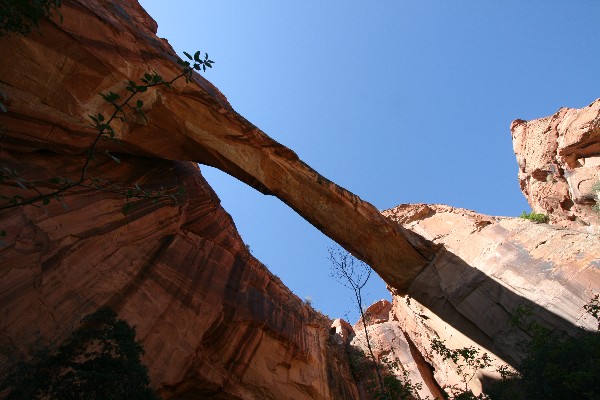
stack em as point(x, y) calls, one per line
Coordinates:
point(484, 269)
point(214, 322)
point(559, 161)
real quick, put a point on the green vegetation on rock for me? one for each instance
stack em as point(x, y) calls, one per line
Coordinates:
point(22, 16)
point(535, 217)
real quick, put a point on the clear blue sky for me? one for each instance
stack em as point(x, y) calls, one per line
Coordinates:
point(397, 101)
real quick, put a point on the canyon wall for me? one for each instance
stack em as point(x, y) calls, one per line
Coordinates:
point(485, 268)
point(214, 322)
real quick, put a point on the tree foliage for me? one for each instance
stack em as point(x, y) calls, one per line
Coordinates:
point(555, 366)
point(101, 360)
point(538, 218)
point(22, 16)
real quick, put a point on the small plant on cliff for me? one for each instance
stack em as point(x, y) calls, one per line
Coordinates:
point(22, 16)
point(596, 194)
point(535, 217)
point(43, 192)
point(101, 360)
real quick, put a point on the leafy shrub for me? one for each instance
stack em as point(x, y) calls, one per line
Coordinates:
point(555, 366)
point(596, 192)
point(22, 16)
point(101, 360)
point(468, 363)
point(535, 217)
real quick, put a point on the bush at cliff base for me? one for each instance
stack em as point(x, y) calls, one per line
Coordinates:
point(557, 366)
point(101, 360)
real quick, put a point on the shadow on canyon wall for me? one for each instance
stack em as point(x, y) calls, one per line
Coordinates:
point(479, 306)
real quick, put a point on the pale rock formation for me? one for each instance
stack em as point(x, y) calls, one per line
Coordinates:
point(341, 332)
point(393, 350)
point(377, 312)
point(559, 161)
point(484, 269)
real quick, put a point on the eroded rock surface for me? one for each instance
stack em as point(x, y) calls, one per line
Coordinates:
point(559, 161)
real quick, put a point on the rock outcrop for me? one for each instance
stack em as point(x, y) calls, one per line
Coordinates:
point(485, 268)
point(559, 161)
point(393, 349)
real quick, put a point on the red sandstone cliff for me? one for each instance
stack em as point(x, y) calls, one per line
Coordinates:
point(486, 267)
point(213, 320)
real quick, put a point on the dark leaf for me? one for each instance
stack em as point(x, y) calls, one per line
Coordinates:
point(139, 104)
point(197, 56)
point(46, 201)
point(188, 55)
point(115, 159)
point(20, 184)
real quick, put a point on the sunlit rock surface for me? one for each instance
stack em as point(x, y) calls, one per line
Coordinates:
point(393, 349)
point(559, 161)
